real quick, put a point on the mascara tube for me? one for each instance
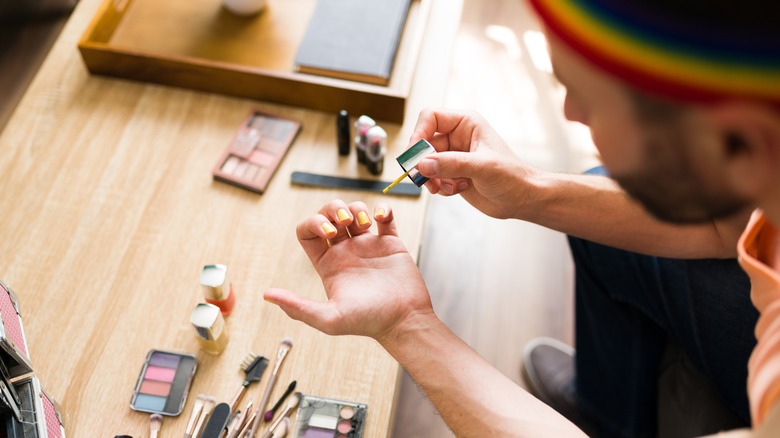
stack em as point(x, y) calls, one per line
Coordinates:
point(342, 132)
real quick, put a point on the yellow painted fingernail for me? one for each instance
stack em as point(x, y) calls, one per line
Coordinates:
point(342, 215)
point(363, 218)
point(380, 212)
point(328, 228)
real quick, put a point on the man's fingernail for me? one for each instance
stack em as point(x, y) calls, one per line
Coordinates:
point(429, 168)
point(328, 228)
point(362, 218)
point(342, 215)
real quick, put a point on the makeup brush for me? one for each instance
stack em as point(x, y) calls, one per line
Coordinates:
point(235, 426)
point(269, 415)
point(281, 431)
point(196, 410)
point(253, 366)
point(155, 424)
point(284, 348)
point(291, 404)
point(245, 430)
point(241, 422)
point(208, 406)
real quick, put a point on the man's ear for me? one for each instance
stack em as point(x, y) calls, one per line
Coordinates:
point(749, 136)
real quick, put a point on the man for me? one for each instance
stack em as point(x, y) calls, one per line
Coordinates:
point(682, 102)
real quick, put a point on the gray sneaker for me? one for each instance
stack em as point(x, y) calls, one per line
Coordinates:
point(548, 372)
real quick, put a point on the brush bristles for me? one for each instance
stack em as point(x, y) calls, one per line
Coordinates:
point(282, 429)
point(249, 359)
point(288, 342)
point(294, 400)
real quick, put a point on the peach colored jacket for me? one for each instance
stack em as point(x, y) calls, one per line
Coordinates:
point(757, 249)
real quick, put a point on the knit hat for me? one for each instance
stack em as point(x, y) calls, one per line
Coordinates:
point(685, 50)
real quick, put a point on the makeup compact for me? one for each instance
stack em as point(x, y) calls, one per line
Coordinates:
point(320, 417)
point(164, 382)
point(256, 151)
point(14, 362)
point(41, 417)
point(26, 411)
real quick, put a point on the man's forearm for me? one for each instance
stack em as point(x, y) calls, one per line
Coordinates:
point(595, 208)
point(473, 398)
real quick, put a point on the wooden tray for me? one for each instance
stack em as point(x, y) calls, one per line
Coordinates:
point(198, 44)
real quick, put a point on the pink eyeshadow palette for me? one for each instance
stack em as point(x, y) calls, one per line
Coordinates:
point(256, 151)
point(164, 382)
point(329, 418)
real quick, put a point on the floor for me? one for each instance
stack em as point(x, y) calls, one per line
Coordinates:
point(498, 284)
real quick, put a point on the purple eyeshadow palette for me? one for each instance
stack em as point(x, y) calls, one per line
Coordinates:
point(164, 382)
point(329, 418)
point(256, 150)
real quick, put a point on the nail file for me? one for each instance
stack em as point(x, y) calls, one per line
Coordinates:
point(367, 185)
point(217, 421)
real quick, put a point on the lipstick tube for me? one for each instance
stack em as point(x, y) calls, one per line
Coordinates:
point(217, 289)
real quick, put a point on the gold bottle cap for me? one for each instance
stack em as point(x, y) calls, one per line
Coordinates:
point(213, 278)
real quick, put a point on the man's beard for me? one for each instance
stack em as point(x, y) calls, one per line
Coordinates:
point(678, 201)
point(668, 187)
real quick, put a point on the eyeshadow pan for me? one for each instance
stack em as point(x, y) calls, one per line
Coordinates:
point(164, 360)
point(251, 172)
point(161, 374)
point(271, 146)
point(153, 387)
point(241, 169)
point(261, 173)
point(344, 426)
point(323, 421)
point(347, 412)
point(230, 164)
point(149, 402)
point(261, 158)
point(316, 432)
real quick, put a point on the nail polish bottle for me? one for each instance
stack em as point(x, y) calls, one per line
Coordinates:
point(375, 153)
point(217, 289)
point(362, 125)
point(210, 326)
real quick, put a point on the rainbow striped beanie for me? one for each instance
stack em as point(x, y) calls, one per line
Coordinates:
point(677, 51)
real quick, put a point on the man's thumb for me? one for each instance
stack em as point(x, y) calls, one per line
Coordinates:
point(446, 165)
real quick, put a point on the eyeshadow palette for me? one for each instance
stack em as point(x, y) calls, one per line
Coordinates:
point(256, 150)
point(164, 382)
point(329, 418)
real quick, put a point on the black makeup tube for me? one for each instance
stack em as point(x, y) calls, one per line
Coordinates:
point(342, 132)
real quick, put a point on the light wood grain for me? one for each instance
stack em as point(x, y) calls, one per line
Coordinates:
point(110, 210)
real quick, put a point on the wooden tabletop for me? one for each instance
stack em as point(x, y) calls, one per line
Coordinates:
point(109, 212)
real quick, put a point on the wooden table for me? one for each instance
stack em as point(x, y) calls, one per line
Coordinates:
point(109, 211)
